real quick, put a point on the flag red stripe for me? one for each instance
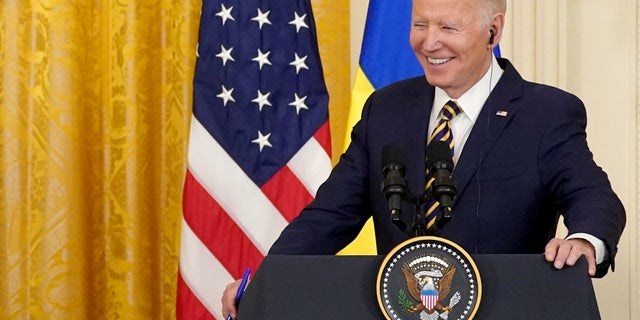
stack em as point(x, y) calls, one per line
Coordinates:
point(217, 230)
point(286, 193)
point(188, 305)
point(323, 136)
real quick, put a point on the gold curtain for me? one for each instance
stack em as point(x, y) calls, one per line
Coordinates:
point(95, 100)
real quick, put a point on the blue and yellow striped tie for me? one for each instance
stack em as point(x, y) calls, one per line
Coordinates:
point(441, 132)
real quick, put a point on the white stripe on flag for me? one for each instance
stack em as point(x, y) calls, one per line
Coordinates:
point(225, 181)
point(202, 272)
point(312, 165)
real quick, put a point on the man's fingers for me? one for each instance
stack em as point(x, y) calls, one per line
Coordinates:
point(581, 247)
point(591, 261)
point(229, 299)
point(564, 249)
point(567, 252)
point(551, 249)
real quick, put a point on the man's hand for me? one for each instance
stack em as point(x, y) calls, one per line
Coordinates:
point(566, 252)
point(229, 299)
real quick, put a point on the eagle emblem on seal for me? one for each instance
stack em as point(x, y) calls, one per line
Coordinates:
point(428, 281)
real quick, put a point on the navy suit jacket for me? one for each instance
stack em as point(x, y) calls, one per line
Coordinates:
point(526, 161)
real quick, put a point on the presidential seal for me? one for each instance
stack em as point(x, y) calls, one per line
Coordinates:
point(428, 278)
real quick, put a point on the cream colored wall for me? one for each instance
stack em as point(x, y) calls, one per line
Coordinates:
point(588, 48)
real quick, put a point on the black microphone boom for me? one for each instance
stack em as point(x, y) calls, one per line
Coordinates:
point(443, 188)
point(394, 185)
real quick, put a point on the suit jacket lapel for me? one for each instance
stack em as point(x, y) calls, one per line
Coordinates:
point(416, 133)
point(497, 112)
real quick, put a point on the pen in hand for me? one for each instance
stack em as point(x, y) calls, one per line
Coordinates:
point(243, 285)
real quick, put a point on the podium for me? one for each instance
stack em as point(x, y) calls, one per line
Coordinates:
point(344, 287)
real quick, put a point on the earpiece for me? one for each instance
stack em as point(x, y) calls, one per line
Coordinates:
point(492, 36)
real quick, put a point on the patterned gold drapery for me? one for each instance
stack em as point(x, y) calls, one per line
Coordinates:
point(95, 100)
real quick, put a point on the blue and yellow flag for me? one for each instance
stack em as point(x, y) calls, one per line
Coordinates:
point(387, 26)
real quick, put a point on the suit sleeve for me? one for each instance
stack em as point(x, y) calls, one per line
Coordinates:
point(341, 206)
point(581, 188)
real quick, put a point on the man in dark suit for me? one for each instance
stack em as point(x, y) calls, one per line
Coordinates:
point(520, 153)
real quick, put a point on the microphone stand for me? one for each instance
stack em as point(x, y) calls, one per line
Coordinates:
point(419, 225)
point(443, 188)
point(419, 228)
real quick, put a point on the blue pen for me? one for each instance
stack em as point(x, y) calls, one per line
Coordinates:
point(243, 285)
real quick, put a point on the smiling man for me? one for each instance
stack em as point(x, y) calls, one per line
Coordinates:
point(519, 148)
point(453, 49)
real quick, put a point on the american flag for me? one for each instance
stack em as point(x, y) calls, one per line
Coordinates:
point(259, 144)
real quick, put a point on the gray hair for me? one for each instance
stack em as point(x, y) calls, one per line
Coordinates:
point(491, 7)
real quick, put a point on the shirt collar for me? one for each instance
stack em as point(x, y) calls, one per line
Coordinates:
point(471, 101)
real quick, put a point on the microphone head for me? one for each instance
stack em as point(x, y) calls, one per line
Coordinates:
point(392, 155)
point(438, 152)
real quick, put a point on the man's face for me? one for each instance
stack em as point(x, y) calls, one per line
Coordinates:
point(451, 42)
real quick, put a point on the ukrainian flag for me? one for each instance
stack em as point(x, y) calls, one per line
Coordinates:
point(385, 57)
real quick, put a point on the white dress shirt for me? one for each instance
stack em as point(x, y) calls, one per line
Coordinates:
point(470, 102)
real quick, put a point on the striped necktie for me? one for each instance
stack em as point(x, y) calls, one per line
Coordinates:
point(441, 132)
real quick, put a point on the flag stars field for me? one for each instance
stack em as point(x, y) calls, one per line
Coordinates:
point(225, 14)
point(299, 103)
point(226, 96)
point(225, 55)
point(262, 58)
point(262, 140)
point(262, 100)
point(298, 21)
point(299, 63)
point(262, 18)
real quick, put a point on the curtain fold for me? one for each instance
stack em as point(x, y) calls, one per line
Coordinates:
point(95, 99)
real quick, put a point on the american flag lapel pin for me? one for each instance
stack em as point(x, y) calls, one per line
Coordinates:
point(502, 113)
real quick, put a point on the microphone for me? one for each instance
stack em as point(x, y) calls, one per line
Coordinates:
point(443, 188)
point(394, 185)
